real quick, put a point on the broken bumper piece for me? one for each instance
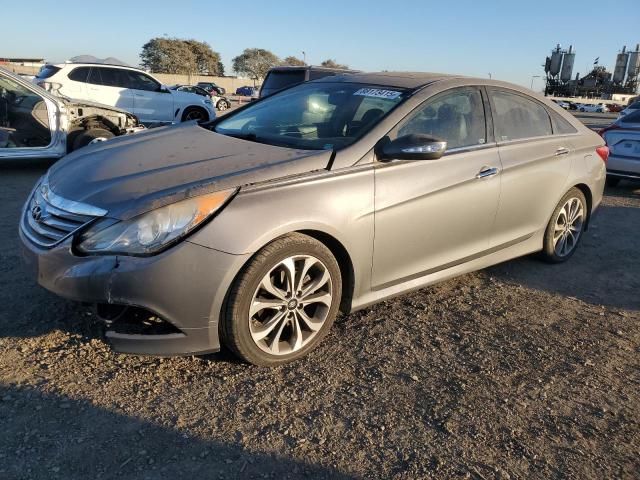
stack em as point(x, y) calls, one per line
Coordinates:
point(184, 286)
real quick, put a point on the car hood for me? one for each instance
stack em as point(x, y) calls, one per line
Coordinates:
point(129, 175)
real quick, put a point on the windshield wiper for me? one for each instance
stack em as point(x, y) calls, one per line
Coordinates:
point(251, 136)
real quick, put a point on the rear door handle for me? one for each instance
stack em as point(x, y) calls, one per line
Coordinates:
point(562, 151)
point(487, 172)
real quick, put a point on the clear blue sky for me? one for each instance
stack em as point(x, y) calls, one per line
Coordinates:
point(510, 39)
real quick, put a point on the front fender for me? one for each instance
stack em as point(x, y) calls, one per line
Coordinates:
point(340, 205)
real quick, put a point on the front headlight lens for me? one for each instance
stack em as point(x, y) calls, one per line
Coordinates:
point(152, 231)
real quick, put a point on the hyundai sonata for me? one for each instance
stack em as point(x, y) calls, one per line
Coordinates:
point(255, 230)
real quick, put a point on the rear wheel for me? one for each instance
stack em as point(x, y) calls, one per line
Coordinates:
point(195, 113)
point(222, 105)
point(564, 230)
point(283, 302)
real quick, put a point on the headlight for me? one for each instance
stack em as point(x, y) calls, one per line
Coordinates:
point(208, 101)
point(152, 231)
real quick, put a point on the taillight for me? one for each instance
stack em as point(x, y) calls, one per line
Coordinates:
point(613, 126)
point(603, 152)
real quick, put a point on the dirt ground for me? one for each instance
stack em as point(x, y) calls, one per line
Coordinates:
point(520, 371)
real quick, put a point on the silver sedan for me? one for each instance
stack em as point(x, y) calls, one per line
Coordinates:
point(255, 230)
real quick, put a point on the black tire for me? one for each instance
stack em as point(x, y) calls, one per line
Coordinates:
point(195, 113)
point(612, 181)
point(222, 105)
point(85, 138)
point(549, 252)
point(234, 328)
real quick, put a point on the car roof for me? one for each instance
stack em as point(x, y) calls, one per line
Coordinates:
point(410, 80)
point(285, 68)
point(105, 65)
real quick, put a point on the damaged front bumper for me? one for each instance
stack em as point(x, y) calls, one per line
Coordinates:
point(184, 286)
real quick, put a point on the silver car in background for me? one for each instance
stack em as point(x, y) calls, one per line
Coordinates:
point(254, 230)
point(623, 140)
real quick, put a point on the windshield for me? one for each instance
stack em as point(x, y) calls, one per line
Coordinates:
point(314, 116)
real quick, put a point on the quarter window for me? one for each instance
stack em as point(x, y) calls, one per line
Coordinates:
point(456, 116)
point(516, 116)
point(79, 74)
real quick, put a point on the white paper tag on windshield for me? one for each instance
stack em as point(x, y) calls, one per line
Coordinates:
point(378, 93)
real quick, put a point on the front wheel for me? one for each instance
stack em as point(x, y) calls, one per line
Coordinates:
point(94, 135)
point(565, 228)
point(222, 105)
point(195, 113)
point(283, 302)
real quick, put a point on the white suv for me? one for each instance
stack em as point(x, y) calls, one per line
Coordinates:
point(127, 88)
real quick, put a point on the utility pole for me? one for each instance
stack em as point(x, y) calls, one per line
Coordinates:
point(532, 77)
point(304, 57)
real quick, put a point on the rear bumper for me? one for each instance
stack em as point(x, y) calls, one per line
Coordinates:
point(623, 167)
point(184, 286)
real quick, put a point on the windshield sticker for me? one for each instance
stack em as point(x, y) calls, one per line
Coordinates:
point(378, 93)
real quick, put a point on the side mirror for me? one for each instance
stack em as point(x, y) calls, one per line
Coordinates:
point(163, 89)
point(416, 146)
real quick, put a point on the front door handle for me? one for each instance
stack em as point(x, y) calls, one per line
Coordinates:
point(487, 172)
point(561, 151)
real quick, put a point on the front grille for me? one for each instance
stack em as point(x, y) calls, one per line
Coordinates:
point(48, 219)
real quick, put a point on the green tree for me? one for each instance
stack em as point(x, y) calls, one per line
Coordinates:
point(331, 63)
point(293, 61)
point(174, 55)
point(255, 62)
point(207, 61)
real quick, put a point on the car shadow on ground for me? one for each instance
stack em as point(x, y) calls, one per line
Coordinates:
point(605, 268)
point(99, 443)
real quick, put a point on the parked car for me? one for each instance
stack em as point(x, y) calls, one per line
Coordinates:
point(623, 140)
point(221, 103)
point(572, 106)
point(34, 123)
point(562, 104)
point(614, 107)
point(256, 229)
point(592, 108)
point(279, 78)
point(246, 91)
point(127, 88)
point(630, 109)
point(212, 87)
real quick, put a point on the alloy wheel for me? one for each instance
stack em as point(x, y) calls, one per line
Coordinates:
point(290, 305)
point(568, 227)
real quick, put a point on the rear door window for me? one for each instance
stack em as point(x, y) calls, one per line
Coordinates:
point(633, 117)
point(516, 116)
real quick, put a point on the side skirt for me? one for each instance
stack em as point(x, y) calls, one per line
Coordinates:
point(491, 257)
